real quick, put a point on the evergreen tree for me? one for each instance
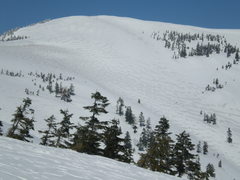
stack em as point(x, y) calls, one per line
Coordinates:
point(210, 171)
point(57, 90)
point(23, 121)
point(183, 158)
point(194, 170)
point(46, 139)
point(120, 105)
point(220, 164)
point(237, 56)
point(229, 135)
point(127, 155)
point(87, 139)
point(114, 147)
point(159, 153)
point(205, 147)
point(129, 115)
point(1, 125)
point(143, 140)
point(71, 90)
point(141, 120)
point(63, 132)
point(199, 147)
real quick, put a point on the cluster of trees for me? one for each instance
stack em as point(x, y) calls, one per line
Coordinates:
point(202, 148)
point(178, 42)
point(216, 85)
point(174, 158)
point(93, 137)
point(105, 138)
point(211, 119)
point(54, 85)
point(11, 73)
point(10, 36)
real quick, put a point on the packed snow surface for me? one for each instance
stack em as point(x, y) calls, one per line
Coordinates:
point(25, 161)
point(118, 57)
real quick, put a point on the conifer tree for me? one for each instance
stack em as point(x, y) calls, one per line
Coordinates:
point(89, 142)
point(23, 122)
point(183, 158)
point(205, 147)
point(120, 105)
point(159, 153)
point(63, 133)
point(199, 147)
point(210, 171)
point(127, 155)
point(48, 134)
point(129, 116)
point(229, 135)
point(1, 125)
point(220, 164)
point(141, 120)
point(114, 147)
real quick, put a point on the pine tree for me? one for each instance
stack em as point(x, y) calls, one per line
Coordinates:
point(129, 116)
point(199, 147)
point(183, 158)
point(237, 56)
point(23, 122)
point(229, 135)
point(1, 125)
point(159, 153)
point(205, 147)
point(71, 90)
point(141, 120)
point(220, 164)
point(63, 132)
point(87, 139)
point(1, 131)
point(57, 89)
point(46, 139)
point(143, 140)
point(194, 170)
point(210, 171)
point(127, 155)
point(120, 105)
point(114, 148)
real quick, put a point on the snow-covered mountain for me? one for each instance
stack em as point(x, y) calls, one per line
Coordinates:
point(128, 58)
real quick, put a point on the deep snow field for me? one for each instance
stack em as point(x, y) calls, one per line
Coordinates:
point(118, 57)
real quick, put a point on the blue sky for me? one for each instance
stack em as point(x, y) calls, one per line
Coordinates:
point(203, 13)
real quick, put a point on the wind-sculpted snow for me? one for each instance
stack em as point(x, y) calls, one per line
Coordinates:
point(118, 57)
point(25, 161)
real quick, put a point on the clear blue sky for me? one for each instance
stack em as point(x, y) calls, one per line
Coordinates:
point(203, 13)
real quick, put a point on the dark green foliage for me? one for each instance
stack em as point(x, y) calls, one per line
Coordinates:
point(143, 140)
point(48, 134)
point(114, 147)
point(23, 121)
point(229, 135)
point(210, 171)
point(205, 147)
point(129, 116)
point(127, 155)
point(141, 120)
point(183, 157)
point(199, 147)
point(87, 139)
point(62, 133)
point(159, 153)
point(220, 164)
point(120, 105)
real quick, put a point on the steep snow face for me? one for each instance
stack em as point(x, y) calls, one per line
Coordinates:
point(119, 58)
point(24, 161)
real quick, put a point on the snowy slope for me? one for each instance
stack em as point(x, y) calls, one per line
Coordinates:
point(23, 161)
point(118, 57)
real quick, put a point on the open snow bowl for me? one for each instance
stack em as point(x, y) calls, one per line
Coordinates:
point(118, 57)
